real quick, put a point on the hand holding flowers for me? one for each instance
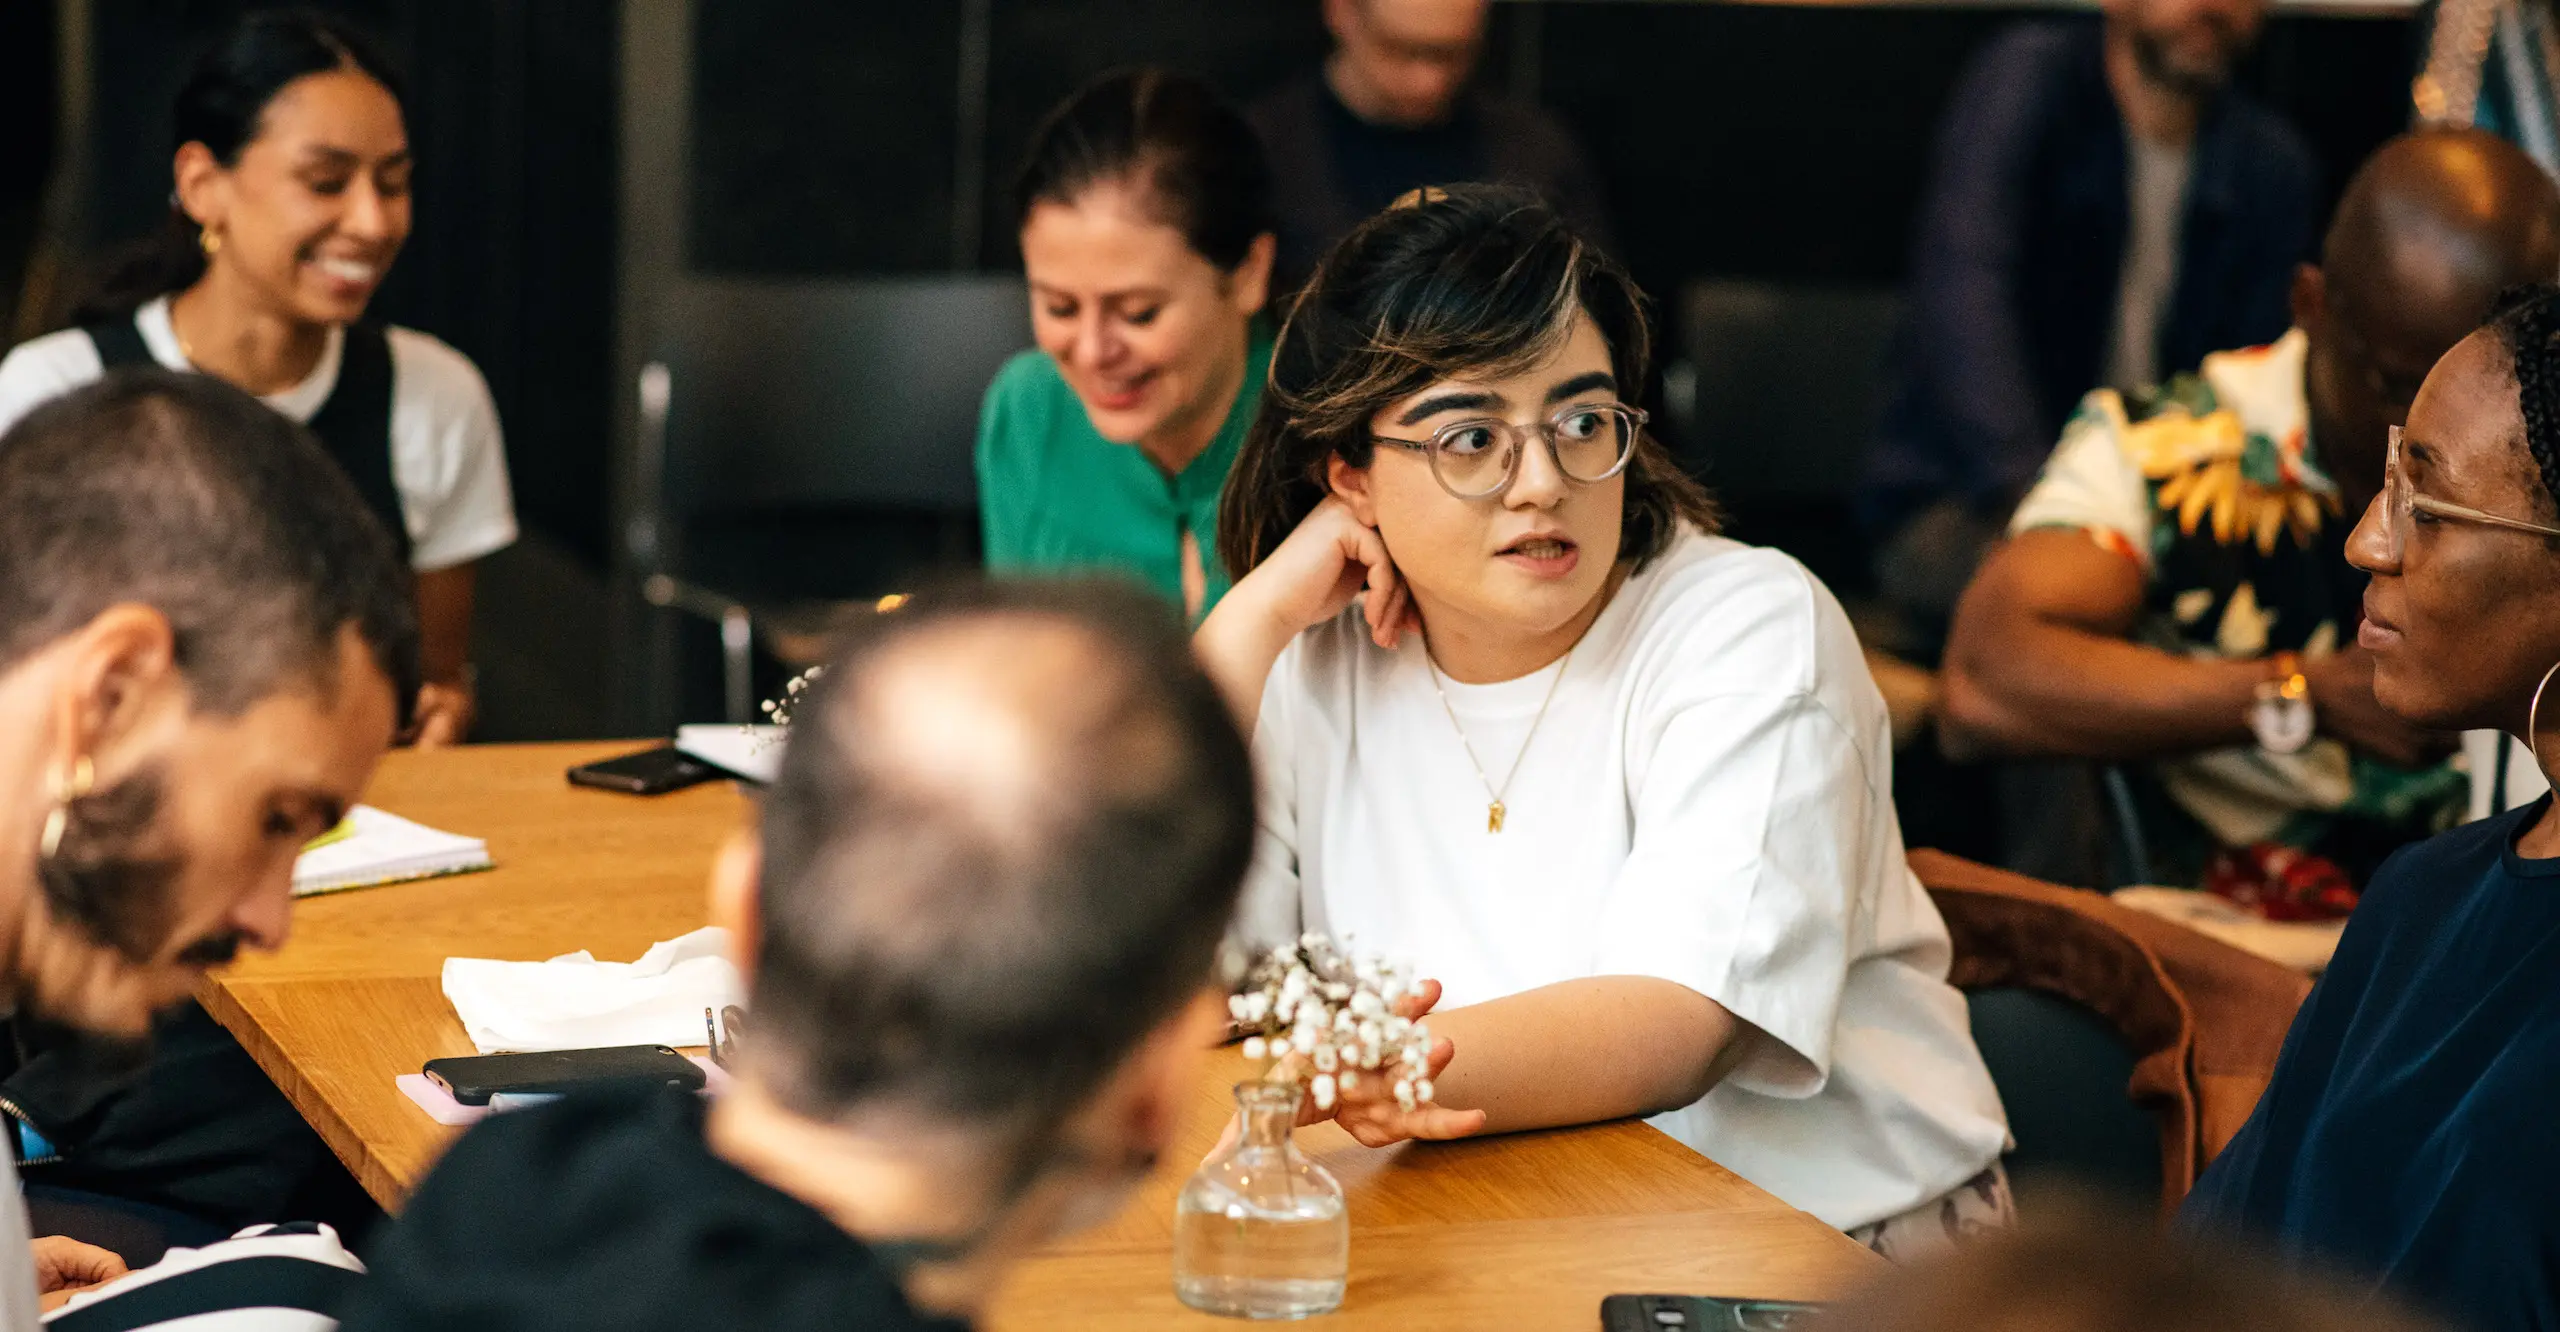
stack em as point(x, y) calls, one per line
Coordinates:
point(1353, 1033)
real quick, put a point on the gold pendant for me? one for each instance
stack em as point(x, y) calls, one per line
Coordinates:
point(1493, 817)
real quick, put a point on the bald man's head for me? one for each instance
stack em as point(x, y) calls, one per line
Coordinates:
point(2432, 227)
point(1007, 835)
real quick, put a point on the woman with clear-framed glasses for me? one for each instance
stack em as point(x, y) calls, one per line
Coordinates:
point(2406, 1135)
point(1619, 786)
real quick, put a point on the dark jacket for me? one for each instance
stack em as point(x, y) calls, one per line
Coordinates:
point(1503, 141)
point(2019, 248)
point(608, 1211)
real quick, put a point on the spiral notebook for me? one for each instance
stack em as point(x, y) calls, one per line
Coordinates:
point(373, 846)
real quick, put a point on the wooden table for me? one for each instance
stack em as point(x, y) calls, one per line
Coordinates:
point(1519, 1232)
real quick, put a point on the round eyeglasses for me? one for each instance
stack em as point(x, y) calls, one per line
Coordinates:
point(2401, 505)
point(1590, 442)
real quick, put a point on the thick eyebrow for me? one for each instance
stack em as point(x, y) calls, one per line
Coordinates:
point(1448, 402)
point(1126, 294)
point(321, 154)
point(1580, 384)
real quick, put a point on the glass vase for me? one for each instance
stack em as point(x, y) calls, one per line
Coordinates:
point(1260, 1231)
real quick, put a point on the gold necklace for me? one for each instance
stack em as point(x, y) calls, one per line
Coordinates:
point(1493, 812)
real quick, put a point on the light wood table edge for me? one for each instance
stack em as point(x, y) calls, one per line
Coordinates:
point(223, 1004)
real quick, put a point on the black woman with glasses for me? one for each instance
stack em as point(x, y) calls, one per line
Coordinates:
point(2408, 1134)
point(2174, 600)
point(1618, 786)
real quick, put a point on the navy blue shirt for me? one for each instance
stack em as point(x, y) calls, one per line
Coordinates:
point(2412, 1132)
point(2019, 250)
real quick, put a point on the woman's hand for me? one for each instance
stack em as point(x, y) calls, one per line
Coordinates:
point(1329, 559)
point(443, 714)
point(65, 1267)
point(1369, 1111)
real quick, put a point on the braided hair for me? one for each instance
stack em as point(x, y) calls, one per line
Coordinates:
point(2527, 319)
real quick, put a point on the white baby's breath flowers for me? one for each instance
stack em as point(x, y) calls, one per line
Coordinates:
point(1322, 1018)
point(779, 710)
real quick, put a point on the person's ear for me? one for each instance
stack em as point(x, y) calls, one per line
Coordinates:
point(737, 875)
point(1164, 1068)
point(2309, 296)
point(1249, 286)
point(203, 186)
point(119, 670)
point(1350, 485)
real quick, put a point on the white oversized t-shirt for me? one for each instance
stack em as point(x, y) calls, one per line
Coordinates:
point(1709, 801)
point(448, 459)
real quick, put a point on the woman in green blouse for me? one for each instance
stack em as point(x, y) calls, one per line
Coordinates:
point(1146, 235)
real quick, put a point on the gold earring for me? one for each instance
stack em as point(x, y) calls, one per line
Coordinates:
point(2542, 729)
point(210, 239)
point(84, 775)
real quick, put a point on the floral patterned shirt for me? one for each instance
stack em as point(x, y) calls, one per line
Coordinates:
point(2210, 482)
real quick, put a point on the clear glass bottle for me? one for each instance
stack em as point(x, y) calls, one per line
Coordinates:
point(1260, 1231)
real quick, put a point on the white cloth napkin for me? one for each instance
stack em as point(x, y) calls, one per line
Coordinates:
point(574, 1002)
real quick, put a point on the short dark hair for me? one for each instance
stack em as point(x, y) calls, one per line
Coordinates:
point(1471, 279)
point(2527, 321)
point(981, 929)
point(184, 494)
point(1200, 164)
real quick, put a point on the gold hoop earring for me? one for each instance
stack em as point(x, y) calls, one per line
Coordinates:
point(2542, 728)
point(210, 239)
point(84, 776)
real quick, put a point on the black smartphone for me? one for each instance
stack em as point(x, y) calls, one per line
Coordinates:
point(649, 772)
point(473, 1079)
point(1702, 1313)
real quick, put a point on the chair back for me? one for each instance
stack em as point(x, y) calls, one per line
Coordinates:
point(827, 395)
point(1789, 383)
point(2200, 1022)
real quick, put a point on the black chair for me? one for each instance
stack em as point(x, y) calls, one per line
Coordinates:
point(805, 447)
point(2061, 1071)
point(1773, 402)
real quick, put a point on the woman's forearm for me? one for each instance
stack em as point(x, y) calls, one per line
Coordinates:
point(1237, 645)
point(444, 623)
point(1580, 1051)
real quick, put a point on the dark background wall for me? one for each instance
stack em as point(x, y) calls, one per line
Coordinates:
point(1770, 141)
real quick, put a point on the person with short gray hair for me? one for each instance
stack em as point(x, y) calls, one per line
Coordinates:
point(978, 918)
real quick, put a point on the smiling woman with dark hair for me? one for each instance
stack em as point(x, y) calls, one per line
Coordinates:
point(291, 167)
point(2407, 1133)
point(1144, 210)
point(1620, 786)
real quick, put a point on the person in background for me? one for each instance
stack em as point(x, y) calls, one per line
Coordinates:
point(2103, 210)
point(981, 980)
point(1145, 216)
point(2174, 593)
point(292, 173)
point(1393, 110)
point(2082, 1269)
point(2406, 1134)
point(205, 645)
point(1620, 786)
point(2494, 64)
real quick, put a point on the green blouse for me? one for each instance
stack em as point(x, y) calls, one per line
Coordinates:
point(1056, 496)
